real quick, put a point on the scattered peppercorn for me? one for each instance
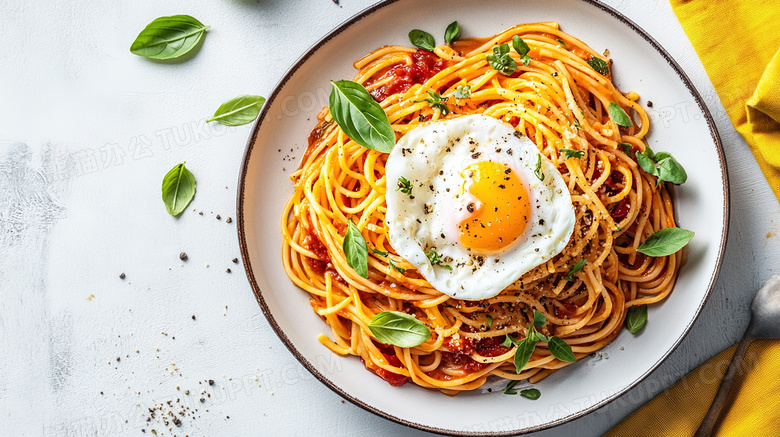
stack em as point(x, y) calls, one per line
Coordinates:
point(193, 317)
point(229, 220)
point(121, 276)
point(218, 217)
point(235, 260)
point(228, 270)
point(183, 256)
point(211, 382)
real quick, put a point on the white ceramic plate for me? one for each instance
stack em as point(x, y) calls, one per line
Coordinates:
point(681, 125)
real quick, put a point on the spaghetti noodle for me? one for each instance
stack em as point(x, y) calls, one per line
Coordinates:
point(559, 101)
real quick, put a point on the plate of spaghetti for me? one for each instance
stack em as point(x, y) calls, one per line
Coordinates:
point(484, 221)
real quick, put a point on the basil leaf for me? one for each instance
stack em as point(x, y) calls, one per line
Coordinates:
point(539, 319)
point(356, 250)
point(169, 37)
point(379, 252)
point(575, 268)
point(525, 348)
point(538, 169)
point(665, 242)
point(508, 341)
point(568, 153)
point(646, 161)
point(599, 65)
point(520, 46)
point(489, 320)
point(671, 170)
point(534, 335)
point(627, 148)
point(422, 39)
point(508, 389)
point(636, 318)
point(452, 32)
point(178, 189)
point(531, 393)
point(501, 61)
point(561, 350)
point(238, 110)
point(463, 92)
point(399, 329)
point(360, 116)
point(618, 115)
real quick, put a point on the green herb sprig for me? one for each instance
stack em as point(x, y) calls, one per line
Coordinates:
point(525, 347)
point(661, 165)
point(436, 101)
point(501, 61)
point(399, 329)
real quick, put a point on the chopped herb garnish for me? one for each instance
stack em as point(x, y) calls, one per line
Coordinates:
point(576, 268)
point(508, 341)
point(501, 61)
point(435, 259)
point(525, 347)
point(508, 389)
point(538, 169)
point(436, 101)
point(627, 148)
point(599, 65)
point(379, 252)
point(463, 92)
point(404, 186)
point(562, 43)
point(569, 153)
point(489, 320)
point(392, 264)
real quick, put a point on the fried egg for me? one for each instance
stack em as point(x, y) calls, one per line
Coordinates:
point(473, 205)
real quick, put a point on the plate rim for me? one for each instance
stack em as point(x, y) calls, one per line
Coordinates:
point(242, 240)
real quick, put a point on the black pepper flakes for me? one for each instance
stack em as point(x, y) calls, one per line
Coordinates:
point(227, 270)
point(218, 217)
point(235, 260)
point(121, 276)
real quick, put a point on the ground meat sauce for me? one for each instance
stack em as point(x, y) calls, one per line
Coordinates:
point(424, 66)
point(392, 378)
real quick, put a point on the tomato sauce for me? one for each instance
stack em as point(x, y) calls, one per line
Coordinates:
point(424, 67)
point(621, 210)
point(392, 378)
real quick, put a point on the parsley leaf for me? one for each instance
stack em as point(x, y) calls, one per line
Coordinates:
point(501, 61)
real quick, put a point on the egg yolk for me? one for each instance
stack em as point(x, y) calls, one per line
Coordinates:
point(500, 214)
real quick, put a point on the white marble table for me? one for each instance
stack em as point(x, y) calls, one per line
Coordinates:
point(88, 131)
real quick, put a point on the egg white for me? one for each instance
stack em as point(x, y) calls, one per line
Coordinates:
point(432, 157)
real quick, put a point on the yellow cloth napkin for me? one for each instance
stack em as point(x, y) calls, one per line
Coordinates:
point(739, 45)
point(753, 406)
